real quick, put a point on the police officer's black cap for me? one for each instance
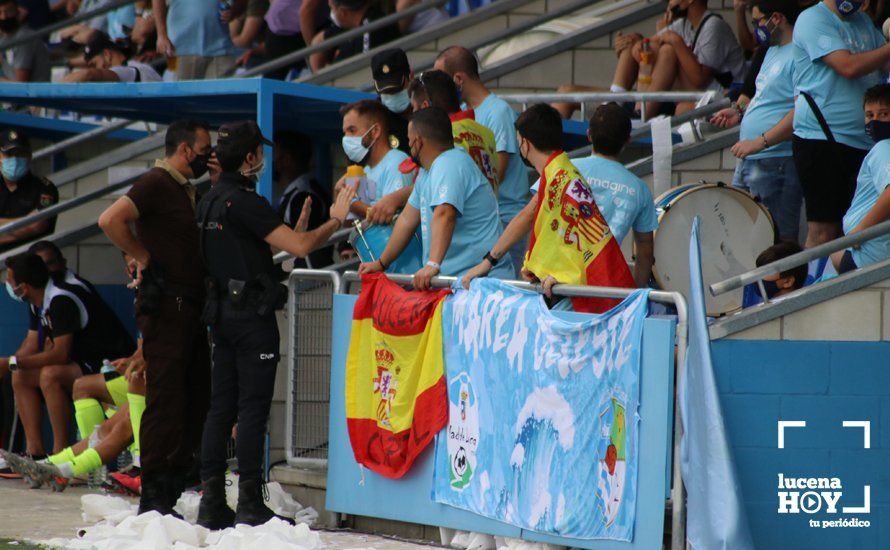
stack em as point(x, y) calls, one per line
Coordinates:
point(244, 135)
point(13, 141)
point(98, 43)
point(390, 70)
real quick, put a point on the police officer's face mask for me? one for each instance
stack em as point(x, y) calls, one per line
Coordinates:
point(255, 172)
point(397, 102)
point(14, 168)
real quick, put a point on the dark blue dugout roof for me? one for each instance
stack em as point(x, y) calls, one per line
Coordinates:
point(304, 107)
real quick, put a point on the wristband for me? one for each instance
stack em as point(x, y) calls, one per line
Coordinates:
point(491, 259)
point(13, 364)
point(765, 143)
point(383, 265)
point(434, 265)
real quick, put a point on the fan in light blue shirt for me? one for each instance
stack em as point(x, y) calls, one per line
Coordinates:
point(452, 202)
point(871, 202)
point(195, 29)
point(818, 33)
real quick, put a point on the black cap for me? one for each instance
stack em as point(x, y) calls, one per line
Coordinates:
point(243, 136)
point(12, 141)
point(390, 70)
point(98, 43)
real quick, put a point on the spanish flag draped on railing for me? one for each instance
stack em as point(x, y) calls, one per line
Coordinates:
point(571, 240)
point(396, 397)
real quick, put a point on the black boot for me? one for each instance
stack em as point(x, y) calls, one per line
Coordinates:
point(155, 495)
point(174, 485)
point(252, 508)
point(214, 513)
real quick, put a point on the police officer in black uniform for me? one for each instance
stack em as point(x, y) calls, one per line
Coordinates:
point(237, 228)
point(21, 191)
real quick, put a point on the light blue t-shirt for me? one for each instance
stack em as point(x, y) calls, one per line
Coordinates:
point(195, 29)
point(118, 19)
point(385, 177)
point(513, 194)
point(623, 198)
point(817, 33)
point(874, 177)
point(455, 179)
point(773, 100)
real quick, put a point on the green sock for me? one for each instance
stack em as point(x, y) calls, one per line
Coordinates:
point(137, 407)
point(86, 462)
point(65, 456)
point(89, 414)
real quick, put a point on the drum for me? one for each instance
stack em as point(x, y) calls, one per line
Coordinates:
point(369, 242)
point(735, 229)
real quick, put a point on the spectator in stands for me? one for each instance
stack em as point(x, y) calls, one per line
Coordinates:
point(424, 19)
point(392, 73)
point(81, 338)
point(386, 188)
point(143, 36)
point(495, 114)
point(452, 202)
point(296, 187)
point(437, 89)
point(246, 31)
point(314, 15)
point(192, 31)
point(779, 284)
point(160, 206)
point(22, 192)
point(837, 56)
point(871, 202)
point(766, 168)
point(623, 198)
point(696, 50)
point(283, 32)
point(746, 38)
point(114, 23)
point(347, 15)
point(108, 62)
point(26, 62)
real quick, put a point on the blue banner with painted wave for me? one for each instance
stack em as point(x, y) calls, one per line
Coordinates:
point(543, 423)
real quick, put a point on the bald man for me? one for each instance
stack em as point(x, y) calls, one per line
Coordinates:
point(493, 113)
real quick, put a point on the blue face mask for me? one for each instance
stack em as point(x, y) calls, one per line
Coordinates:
point(11, 291)
point(14, 168)
point(878, 130)
point(355, 149)
point(771, 288)
point(397, 102)
point(849, 7)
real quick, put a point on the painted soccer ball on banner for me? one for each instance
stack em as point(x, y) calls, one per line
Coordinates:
point(463, 430)
point(611, 459)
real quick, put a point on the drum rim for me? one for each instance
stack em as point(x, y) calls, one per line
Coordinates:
point(693, 187)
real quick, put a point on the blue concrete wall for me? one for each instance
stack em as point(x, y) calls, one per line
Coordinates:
point(823, 383)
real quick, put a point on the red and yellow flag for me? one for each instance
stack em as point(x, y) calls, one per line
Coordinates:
point(571, 240)
point(396, 396)
point(478, 141)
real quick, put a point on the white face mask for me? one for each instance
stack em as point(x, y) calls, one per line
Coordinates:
point(354, 147)
point(255, 172)
point(334, 19)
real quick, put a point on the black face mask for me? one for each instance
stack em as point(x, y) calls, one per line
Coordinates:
point(771, 288)
point(878, 130)
point(9, 25)
point(679, 13)
point(525, 160)
point(198, 165)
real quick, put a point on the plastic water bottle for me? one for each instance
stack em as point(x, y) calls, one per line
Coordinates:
point(107, 367)
point(644, 78)
point(356, 178)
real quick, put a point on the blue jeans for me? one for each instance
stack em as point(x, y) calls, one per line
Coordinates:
point(774, 181)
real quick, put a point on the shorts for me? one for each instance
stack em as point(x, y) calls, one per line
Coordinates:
point(117, 388)
point(774, 182)
point(827, 174)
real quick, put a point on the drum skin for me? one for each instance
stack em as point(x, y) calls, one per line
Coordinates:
point(735, 229)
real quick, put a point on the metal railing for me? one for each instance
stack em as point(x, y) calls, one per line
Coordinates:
point(600, 97)
point(801, 258)
point(340, 39)
point(77, 139)
point(456, 24)
point(49, 29)
point(678, 500)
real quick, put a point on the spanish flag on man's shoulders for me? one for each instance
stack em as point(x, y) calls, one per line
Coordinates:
point(396, 397)
point(570, 238)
